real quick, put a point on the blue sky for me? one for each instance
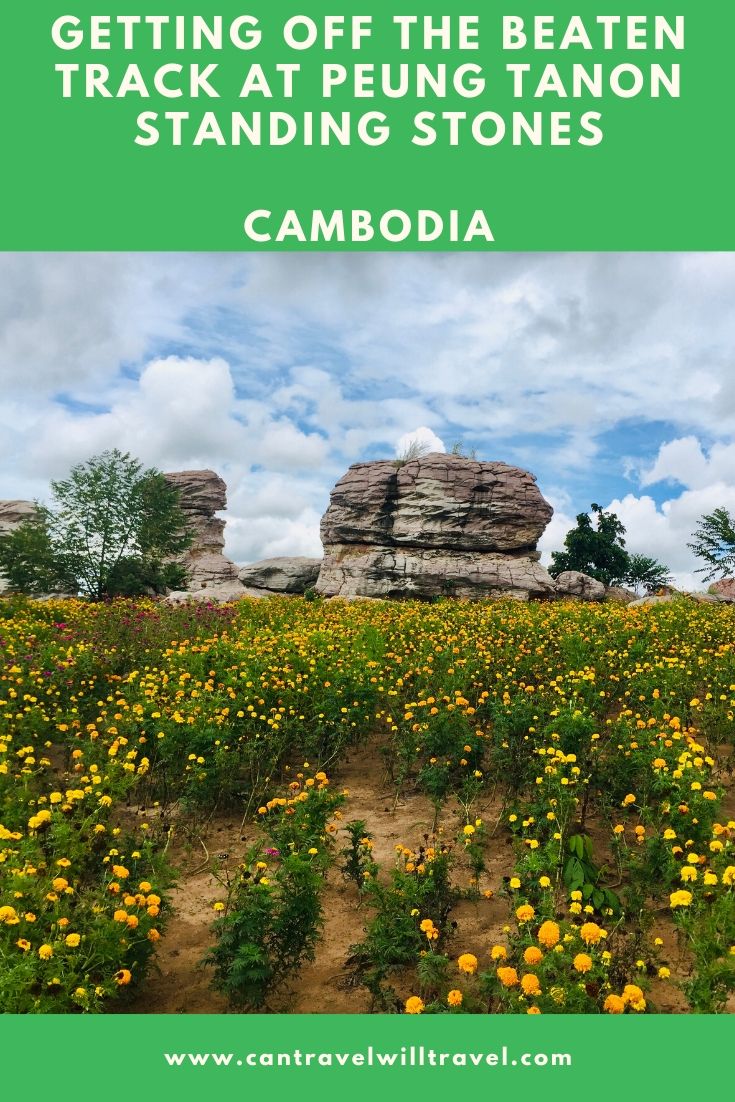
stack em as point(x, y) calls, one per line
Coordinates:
point(610, 376)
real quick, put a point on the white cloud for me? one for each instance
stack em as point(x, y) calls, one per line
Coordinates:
point(685, 461)
point(664, 532)
point(279, 370)
point(424, 437)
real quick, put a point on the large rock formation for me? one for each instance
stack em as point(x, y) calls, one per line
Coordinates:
point(440, 525)
point(281, 575)
point(579, 587)
point(202, 494)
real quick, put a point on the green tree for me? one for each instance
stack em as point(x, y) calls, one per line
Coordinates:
point(596, 549)
point(714, 543)
point(646, 573)
point(112, 528)
point(28, 562)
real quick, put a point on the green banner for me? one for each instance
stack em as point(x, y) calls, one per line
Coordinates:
point(242, 1057)
point(322, 126)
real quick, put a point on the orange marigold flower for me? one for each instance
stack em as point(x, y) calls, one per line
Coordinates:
point(414, 1005)
point(530, 984)
point(548, 934)
point(591, 933)
point(467, 963)
point(582, 962)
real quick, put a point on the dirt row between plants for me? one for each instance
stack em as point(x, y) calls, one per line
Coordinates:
point(178, 984)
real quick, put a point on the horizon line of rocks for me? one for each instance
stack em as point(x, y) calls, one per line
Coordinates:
point(435, 526)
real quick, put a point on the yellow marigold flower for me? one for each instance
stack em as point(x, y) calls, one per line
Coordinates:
point(414, 1005)
point(582, 962)
point(120, 872)
point(591, 933)
point(525, 913)
point(664, 973)
point(688, 873)
point(680, 899)
point(72, 940)
point(530, 984)
point(533, 1010)
point(218, 906)
point(454, 998)
point(153, 934)
point(46, 952)
point(498, 952)
point(544, 882)
point(120, 916)
point(123, 977)
point(507, 976)
point(467, 962)
point(629, 799)
point(614, 1005)
point(514, 883)
point(59, 884)
point(9, 916)
point(728, 876)
point(23, 944)
point(548, 934)
point(633, 997)
point(533, 955)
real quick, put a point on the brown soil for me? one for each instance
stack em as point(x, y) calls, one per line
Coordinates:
point(178, 984)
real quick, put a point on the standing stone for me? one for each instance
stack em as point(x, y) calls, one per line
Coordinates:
point(439, 525)
point(202, 494)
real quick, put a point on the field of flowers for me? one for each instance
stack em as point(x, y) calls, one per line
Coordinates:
point(576, 759)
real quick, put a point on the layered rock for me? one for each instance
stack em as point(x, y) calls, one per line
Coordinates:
point(439, 525)
point(724, 589)
point(580, 587)
point(281, 575)
point(202, 494)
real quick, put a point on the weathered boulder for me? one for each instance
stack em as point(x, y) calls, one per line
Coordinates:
point(281, 575)
point(13, 513)
point(645, 602)
point(620, 594)
point(724, 588)
point(440, 525)
point(215, 594)
point(673, 595)
point(438, 501)
point(581, 587)
point(202, 494)
point(354, 570)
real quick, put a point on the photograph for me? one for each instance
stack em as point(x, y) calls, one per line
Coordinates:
point(367, 634)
